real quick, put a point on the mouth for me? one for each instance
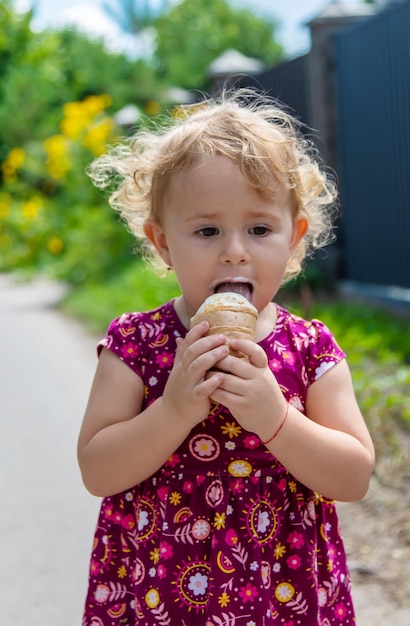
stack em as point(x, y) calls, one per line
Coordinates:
point(240, 287)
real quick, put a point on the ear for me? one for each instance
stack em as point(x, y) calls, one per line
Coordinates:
point(300, 228)
point(156, 235)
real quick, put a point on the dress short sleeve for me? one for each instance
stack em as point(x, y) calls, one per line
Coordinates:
point(323, 350)
point(123, 339)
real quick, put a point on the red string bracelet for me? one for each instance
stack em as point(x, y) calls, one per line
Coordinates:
point(279, 428)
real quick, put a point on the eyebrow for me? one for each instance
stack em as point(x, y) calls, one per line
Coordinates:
point(257, 215)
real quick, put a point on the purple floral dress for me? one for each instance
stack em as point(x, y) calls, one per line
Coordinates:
point(222, 534)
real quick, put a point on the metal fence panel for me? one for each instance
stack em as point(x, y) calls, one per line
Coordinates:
point(373, 69)
point(288, 83)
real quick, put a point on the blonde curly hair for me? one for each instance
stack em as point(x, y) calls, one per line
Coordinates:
point(254, 131)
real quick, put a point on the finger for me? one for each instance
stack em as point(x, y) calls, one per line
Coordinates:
point(196, 332)
point(220, 396)
point(202, 345)
point(196, 341)
point(232, 385)
point(240, 368)
point(256, 354)
point(206, 361)
point(210, 384)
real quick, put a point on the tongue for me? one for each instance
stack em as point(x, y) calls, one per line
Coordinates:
point(242, 289)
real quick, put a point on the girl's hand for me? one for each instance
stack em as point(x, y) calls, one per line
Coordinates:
point(188, 389)
point(250, 390)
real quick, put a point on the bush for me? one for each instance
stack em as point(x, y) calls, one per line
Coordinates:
point(52, 219)
point(135, 288)
point(377, 345)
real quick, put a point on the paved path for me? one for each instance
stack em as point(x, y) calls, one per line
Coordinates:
point(46, 517)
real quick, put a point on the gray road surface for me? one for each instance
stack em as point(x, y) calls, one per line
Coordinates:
point(46, 517)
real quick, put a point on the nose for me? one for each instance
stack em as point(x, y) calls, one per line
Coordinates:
point(234, 249)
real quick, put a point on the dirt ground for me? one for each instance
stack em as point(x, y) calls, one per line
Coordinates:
point(377, 531)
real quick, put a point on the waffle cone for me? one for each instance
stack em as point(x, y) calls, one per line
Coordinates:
point(233, 317)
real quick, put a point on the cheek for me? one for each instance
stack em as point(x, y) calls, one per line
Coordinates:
point(273, 267)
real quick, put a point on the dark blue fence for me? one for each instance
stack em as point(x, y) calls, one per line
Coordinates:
point(369, 144)
point(373, 73)
point(287, 82)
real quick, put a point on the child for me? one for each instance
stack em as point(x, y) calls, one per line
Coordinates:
point(219, 482)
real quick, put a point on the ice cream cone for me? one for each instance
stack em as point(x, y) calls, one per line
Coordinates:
point(229, 314)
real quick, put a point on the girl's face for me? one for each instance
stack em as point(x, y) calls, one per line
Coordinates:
point(218, 233)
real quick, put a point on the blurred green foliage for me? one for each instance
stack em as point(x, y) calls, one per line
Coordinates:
point(135, 288)
point(195, 32)
point(41, 71)
point(59, 93)
point(377, 346)
point(52, 219)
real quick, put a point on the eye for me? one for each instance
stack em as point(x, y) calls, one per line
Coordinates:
point(208, 231)
point(259, 231)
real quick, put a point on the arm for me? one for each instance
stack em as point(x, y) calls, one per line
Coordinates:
point(119, 444)
point(331, 452)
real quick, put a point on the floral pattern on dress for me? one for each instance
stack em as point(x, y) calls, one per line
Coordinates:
point(222, 534)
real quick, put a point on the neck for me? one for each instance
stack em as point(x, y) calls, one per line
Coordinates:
point(266, 321)
point(181, 311)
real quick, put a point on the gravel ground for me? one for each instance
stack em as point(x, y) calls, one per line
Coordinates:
point(377, 540)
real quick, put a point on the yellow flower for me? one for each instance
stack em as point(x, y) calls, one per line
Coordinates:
point(4, 209)
point(57, 150)
point(182, 111)
point(224, 599)
point(219, 521)
point(231, 429)
point(79, 116)
point(56, 145)
point(72, 127)
point(73, 109)
point(16, 158)
point(95, 104)
point(97, 136)
point(55, 245)
point(175, 498)
point(31, 208)
point(292, 486)
point(154, 555)
point(9, 173)
point(153, 107)
point(317, 497)
point(279, 551)
point(122, 571)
